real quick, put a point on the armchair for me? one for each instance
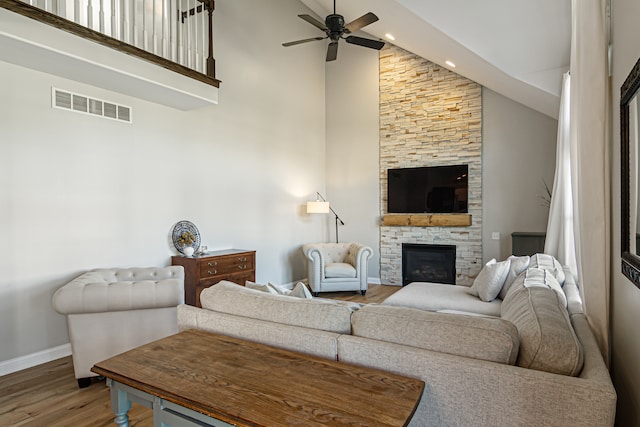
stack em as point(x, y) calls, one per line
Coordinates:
point(337, 266)
point(110, 311)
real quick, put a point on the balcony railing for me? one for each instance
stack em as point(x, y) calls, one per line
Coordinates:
point(175, 34)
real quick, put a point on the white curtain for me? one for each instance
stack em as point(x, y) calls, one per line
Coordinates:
point(560, 241)
point(589, 134)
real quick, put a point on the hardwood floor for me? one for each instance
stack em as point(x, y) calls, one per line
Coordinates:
point(375, 294)
point(48, 395)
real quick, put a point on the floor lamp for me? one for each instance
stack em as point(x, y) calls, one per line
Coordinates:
point(322, 206)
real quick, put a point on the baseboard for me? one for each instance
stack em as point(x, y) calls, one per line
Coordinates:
point(374, 280)
point(34, 359)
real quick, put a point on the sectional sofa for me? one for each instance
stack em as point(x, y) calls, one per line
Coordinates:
point(534, 364)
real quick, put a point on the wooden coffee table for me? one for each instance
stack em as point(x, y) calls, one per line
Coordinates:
point(197, 378)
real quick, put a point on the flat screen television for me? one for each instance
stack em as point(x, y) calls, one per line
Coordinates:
point(433, 189)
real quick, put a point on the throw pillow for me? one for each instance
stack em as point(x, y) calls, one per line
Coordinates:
point(300, 291)
point(489, 282)
point(280, 290)
point(518, 265)
point(268, 288)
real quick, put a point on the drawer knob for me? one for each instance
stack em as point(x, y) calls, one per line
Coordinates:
point(244, 258)
point(212, 264)
point(211, 273)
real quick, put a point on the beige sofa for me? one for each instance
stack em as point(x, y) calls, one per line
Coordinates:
point(473, 366)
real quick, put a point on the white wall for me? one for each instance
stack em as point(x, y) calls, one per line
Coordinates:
point(518, 153)
point(353, 147)
point(625, 297)
point(78, 192)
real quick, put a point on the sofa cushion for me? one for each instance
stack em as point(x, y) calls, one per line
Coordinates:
point(549, 263)
point(483, 338)
point(437, 296)
point(547, 339)
point(339, 269)
point(327, 315)
point(518, 265)
point(294, 338)
point(489, 282)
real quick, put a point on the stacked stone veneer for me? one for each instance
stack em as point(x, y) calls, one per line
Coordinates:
point(429, 116)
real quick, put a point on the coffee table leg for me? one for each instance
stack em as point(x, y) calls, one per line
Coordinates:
point(120, 405)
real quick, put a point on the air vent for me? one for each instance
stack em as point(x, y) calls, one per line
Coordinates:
point(70, 101)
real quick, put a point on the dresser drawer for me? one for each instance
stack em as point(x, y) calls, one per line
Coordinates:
point(225, 265)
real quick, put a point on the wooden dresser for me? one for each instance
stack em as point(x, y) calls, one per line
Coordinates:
point(202, 271)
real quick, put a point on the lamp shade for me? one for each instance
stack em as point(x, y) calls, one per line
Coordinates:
point(317, 207)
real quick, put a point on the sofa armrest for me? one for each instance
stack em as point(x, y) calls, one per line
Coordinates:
point(357, 256)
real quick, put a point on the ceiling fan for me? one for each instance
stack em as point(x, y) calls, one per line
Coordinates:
point(335, 29)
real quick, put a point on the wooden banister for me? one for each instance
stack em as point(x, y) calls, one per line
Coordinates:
point(157, 53)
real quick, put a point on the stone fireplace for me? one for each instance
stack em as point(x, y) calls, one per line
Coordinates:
point(429, 116)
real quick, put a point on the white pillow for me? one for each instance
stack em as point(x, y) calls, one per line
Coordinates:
point(280, 290)
point(268, 288)
point(489, 282)
point(298, 291)
point(518, 265)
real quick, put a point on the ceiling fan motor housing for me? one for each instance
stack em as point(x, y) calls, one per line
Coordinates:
point(335, 24)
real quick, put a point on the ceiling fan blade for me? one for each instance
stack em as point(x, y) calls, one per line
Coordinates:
point(313, 21)
point(363, 21)
point(371, 44)
point(287, 44)
point(332, 51)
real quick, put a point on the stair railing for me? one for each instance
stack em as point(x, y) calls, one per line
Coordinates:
point(178, 30)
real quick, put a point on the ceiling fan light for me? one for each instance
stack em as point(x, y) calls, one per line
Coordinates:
point(390, 36)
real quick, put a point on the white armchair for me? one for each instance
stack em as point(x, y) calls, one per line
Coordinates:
point(110, 311)
point(337, 266)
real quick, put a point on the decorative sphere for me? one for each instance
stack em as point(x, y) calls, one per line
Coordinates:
point(188, 251)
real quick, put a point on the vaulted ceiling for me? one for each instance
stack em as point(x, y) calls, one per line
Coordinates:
point(519, 49)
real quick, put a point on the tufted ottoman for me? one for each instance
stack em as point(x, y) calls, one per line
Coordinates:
point(110, 311)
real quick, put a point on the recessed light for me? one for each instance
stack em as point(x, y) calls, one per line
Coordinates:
point(389, 36)
point(450, 64)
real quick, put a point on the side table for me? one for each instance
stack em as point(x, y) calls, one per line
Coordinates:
point(202, 271)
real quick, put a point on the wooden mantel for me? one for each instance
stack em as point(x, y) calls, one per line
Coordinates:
point(427, 220)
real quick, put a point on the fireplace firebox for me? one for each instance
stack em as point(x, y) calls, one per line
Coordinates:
point(428, 263)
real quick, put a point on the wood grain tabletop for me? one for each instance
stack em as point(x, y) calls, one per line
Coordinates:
point(250, 384)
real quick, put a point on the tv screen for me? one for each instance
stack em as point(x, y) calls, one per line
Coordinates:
point(435, 189)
